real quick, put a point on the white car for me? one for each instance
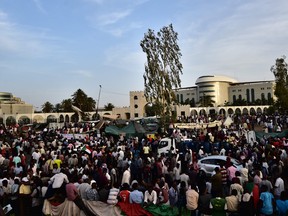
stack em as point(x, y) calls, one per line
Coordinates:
point(209, 163)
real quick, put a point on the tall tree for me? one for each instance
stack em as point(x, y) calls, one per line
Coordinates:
point(58, 108)
point(82, 101)
point(206, 101)
point(66, 105)
point(109, 107)
point(281, 89)
point(152, 109)
point(163, 67)
point(47, 107)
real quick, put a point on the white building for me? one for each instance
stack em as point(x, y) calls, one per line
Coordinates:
point(223, 91)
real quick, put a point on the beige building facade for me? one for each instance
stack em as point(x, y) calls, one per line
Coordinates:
point(222, 89)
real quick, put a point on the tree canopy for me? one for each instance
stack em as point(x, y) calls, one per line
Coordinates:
point(79, 99)
point(82, 101)
point(47, 107)
point(109, 107)
point(206, 101)
point(163, 67)
point(281, 89)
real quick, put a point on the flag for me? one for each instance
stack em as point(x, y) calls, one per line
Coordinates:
point(87, 149)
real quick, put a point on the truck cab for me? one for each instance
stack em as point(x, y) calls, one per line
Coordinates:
point(165, 145)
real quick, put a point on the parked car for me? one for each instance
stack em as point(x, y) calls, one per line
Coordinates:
point(209, 163)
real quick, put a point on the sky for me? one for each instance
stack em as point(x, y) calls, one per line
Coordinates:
point(51, 48)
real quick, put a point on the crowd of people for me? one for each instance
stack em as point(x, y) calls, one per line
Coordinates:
point(127, 172)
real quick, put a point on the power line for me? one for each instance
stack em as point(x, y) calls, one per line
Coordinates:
point(115, 93)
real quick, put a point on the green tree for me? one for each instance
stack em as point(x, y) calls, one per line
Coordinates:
point(152, 109)
point(47, 107)
point(206, 101)
point(109, 107)
point(57, 108)
point(82, 101)
point(240, 102)
point(281, 89)
point(66, 105)
point(163, 68)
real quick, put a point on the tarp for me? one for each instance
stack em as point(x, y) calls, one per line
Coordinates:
point(133, 209)
point(132, 129)
point(68, 208)
point(112, 129)
point(163, 210)
point(260, 134)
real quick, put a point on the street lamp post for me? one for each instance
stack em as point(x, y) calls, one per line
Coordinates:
point(98, 102)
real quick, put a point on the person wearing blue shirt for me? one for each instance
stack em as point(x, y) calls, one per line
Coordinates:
point(267, 200)
point(282, 205)
point(136, 196)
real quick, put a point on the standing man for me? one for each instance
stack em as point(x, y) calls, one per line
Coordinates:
point(192, 197)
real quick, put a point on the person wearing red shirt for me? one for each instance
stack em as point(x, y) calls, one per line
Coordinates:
point(124, 193)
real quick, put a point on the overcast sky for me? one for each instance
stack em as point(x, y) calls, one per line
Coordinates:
point(51, 48)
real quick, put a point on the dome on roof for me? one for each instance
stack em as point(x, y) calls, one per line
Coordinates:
point(215, 78)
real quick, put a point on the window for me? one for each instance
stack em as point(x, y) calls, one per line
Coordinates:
point(178, 98)
point(239, 90)
point(136, 115)
point(262, 88)
point(208, 161)
point(248, 95)
point(206, 86)
point(262, 96)
point(135, 97)
point(269, 96)
point(233, 90)
point(135, 106)
point(252, 95)
point(234, 98)
point(181, 98)
point(206, 91)
point(240, 97)
point(268, 87)
point(163, 144)
point(188, 94)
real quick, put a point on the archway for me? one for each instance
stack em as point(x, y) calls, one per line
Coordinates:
point(212, 111)
point(245, 111)
point(259, 110)
point(74, 118)
point(222, 112)
point(61, 118)
point(202, 112)
point(38, 119)
point(24, 120)
point(67, 118)
point(193, 112)
point(51, 118)
point(1, 120)
point(252, 111)
point(10, 121)
point(238, 111)
point(230, 111)
point(265, 110)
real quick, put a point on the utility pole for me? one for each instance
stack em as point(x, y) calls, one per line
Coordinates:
point(98, 102)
